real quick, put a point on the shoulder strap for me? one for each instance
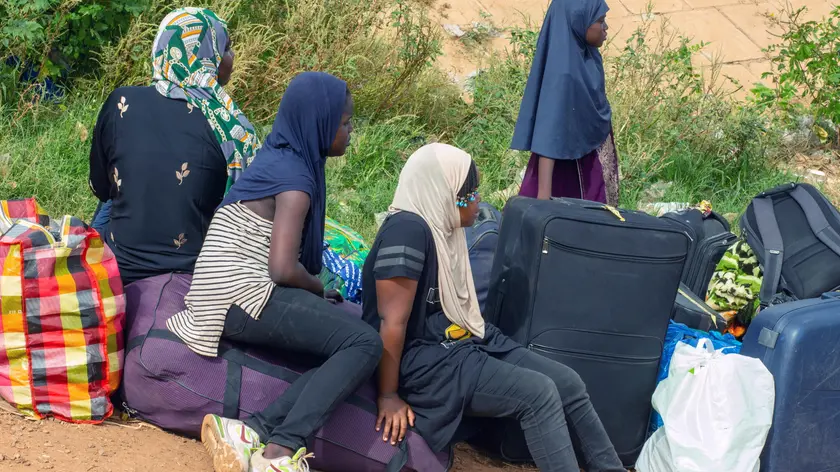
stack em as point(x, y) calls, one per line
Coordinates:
point(816, 219)
point(774, 247)
point(399, 459)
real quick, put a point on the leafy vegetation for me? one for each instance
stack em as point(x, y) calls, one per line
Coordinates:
point(806, 75)
point(672, 130)
point(56, 40)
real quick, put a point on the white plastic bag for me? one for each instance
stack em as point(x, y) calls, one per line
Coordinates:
point(717, 409)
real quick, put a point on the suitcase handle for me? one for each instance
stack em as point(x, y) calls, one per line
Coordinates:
point(831, 296)
point(784, 188)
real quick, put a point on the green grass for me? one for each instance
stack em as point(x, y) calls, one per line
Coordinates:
point(669, 128)
point(45, 155)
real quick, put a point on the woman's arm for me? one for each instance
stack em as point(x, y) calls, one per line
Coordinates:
point(394, 299)
point(545, 176)
point(284, 265)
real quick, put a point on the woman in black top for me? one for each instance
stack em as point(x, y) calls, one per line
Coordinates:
point(441, 362)
point(163, 156)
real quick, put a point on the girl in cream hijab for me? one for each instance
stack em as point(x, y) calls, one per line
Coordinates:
point(442, 363)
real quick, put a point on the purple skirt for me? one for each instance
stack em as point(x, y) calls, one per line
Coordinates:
point(593, 177)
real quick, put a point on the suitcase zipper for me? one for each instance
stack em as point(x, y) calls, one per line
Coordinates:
point(608, 255)
point(537, 348)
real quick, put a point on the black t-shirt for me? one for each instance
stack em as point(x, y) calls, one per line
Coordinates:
point(160, 164)
point(405, 248)
point(437, 373)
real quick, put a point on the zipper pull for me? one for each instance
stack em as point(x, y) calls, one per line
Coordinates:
point(545, 246)
point(615, 212)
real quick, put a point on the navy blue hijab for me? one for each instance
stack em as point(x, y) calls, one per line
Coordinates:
point(293, 155)
point(565, 113)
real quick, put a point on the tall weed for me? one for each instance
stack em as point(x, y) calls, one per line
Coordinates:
point(806, 72)
point(383, 48)
point(673, 127)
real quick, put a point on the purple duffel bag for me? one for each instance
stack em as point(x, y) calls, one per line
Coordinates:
point(170, 386)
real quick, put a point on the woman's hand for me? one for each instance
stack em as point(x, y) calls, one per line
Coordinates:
point(395, 415)
point(333, 296)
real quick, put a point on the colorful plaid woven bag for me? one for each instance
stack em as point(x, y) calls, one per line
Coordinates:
point(62, 311)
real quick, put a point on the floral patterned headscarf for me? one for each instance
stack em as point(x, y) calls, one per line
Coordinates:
point(186, 55)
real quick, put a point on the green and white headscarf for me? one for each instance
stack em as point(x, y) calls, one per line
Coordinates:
point(188, 49)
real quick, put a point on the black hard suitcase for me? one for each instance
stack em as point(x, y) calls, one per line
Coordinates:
point(593, 288)
point(692, 311)
point(710, 238)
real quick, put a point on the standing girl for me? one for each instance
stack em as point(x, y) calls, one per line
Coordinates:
point(565, 120)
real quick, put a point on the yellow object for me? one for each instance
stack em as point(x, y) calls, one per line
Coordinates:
point(821, 133)
point(615, 212)
point(456, 333)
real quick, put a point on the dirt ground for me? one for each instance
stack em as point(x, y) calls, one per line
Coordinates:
point(28, 445)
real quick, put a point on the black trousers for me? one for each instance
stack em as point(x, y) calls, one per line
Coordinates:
point(299, 321)
point(550, 402)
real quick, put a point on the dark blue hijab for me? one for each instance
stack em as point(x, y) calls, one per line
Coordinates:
point(565, 113)
point(293, 156)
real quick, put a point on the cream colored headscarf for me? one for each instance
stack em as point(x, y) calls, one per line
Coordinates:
point(428, 187)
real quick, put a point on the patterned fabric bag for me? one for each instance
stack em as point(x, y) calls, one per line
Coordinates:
point(62, 311)
point(344, 256)
point(733, 290)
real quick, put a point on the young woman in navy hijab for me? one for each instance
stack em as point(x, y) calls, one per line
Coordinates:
point(565, 120)
point(255, 283)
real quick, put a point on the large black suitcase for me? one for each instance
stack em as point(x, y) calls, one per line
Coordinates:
point(593, 288)
point(710, 238)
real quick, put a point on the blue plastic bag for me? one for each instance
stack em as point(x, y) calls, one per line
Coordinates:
point(680, 333)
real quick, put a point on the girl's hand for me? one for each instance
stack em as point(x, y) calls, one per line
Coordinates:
point(333, 296)
point(396, 415)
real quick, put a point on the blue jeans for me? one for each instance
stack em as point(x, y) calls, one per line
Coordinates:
point(101, 218)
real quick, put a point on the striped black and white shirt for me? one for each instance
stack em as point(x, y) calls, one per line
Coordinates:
point(232, 269)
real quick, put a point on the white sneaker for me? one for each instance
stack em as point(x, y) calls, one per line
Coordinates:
point(296, 463)
point(229, 442)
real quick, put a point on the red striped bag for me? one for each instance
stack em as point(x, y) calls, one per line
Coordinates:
point(62, 311)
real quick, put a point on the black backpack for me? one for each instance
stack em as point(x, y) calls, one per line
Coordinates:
point(795, 233)
point(482, 239)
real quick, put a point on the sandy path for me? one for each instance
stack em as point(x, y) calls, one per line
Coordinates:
point(29, 445)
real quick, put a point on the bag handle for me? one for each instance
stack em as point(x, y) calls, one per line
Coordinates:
point(816, 219)
point(774, 248)
point(784, 188)
point(705, 344)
